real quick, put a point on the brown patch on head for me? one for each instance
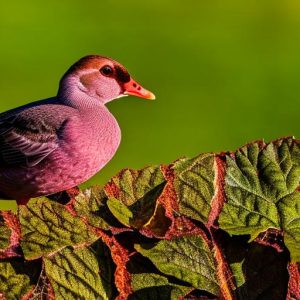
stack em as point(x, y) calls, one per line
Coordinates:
point(97, 62)
point(122, 74)
point(87, 62)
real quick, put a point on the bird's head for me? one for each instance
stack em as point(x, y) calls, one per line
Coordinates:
point(100, 79)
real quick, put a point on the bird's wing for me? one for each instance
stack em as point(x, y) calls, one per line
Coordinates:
point(28, 136)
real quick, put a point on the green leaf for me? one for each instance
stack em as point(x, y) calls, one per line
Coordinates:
point(74, 274)
point(5, 233)
point(12, 284)
point(154, 286)
point(130, 186)
point(48, 227)
point(249, 209)
point(107, 268)
point(289, 208)
point(133, 195)
point(194, 185)
point(261, 185)
point(187, 258)
point(91, 205)
point(120, 211)
point(237, 271)
point(139, 213)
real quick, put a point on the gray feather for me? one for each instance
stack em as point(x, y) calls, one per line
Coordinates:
point(29, 134)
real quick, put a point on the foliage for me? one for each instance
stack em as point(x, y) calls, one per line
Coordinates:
point(217, 226)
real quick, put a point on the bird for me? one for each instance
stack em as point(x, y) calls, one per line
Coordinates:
point(55, 144)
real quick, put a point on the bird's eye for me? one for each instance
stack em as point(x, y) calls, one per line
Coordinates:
point(106, 71)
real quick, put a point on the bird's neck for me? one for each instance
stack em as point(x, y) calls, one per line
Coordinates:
point(78, 99)
point(91, 109)
point(74, 94)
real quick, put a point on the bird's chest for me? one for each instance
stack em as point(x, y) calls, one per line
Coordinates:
point(92, 143)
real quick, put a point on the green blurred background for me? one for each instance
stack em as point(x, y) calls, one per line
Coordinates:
point(224, 72)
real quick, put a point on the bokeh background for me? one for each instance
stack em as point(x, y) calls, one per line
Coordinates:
point(224, 72)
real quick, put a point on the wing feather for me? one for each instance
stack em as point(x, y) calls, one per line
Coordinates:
point(29, 136)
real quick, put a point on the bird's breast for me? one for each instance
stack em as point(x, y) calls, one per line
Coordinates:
point(86, 146)
point(91, 141)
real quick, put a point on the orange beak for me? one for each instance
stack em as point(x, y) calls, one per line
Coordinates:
point(134, 89)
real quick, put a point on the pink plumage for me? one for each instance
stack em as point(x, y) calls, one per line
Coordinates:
point(55, 144)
